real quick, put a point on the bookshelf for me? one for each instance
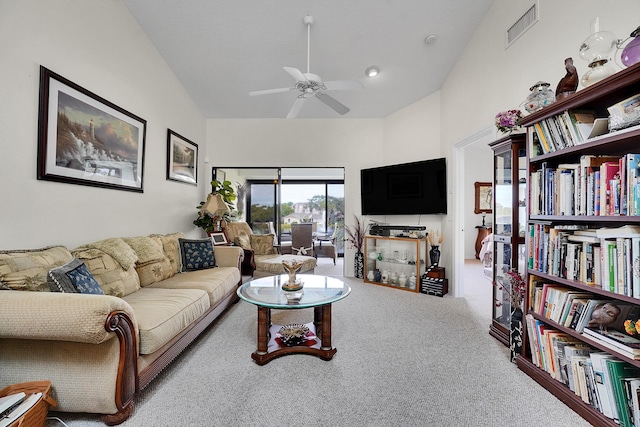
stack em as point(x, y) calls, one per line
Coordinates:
point(565, 201)
point(509, 213)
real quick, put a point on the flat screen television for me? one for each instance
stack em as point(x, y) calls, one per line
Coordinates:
point(405, 189)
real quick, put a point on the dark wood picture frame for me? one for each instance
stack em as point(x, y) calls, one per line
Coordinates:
point(219, 238)
point(483, 197)
point(182, 159)
point(85, 139)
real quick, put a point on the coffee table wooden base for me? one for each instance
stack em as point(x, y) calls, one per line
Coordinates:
point(321, 323)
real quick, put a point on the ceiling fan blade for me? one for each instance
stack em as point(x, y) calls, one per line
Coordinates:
point(333, 103)
point(296, 74)
point(268, 91)
point(295, 108)
point(343, 85)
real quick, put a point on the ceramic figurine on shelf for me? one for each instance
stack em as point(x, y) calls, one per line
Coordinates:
point(569, 83)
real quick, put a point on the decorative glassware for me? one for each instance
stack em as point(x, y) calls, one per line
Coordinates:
point(541, 96)
point(597, 50)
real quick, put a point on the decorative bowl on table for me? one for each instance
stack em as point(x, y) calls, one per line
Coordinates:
point(294, 334)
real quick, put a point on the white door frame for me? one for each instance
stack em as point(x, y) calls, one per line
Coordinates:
point(460, 197)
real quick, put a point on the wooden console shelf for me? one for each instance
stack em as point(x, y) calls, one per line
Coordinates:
point(399, 261)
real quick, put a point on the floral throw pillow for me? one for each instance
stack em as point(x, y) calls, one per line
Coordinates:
point(73, 277)
point(243, 241)
point(196, 254)
point(263, 244)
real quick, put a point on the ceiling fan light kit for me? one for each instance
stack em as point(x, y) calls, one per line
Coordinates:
point(310, 85)
point(372, 71)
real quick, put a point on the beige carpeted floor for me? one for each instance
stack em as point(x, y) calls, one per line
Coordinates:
point(404, 359)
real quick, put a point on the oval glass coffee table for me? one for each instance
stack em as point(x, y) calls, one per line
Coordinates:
point(318, 292)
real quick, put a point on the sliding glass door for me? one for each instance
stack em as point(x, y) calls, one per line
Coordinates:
point(272, 199)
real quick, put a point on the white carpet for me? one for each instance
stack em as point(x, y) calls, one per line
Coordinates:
point(404, 359)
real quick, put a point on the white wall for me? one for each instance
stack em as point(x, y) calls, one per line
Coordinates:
point(99, 46)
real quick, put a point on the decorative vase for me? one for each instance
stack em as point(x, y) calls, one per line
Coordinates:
point(370, 275)
point(515, 333)
point(358, 265)
point(541, 96)
point(434, 255)
point(377, 275)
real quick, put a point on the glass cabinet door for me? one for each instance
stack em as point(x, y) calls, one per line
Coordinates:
point(509, 214)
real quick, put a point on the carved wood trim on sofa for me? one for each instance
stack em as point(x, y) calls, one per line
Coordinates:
point(127, 378)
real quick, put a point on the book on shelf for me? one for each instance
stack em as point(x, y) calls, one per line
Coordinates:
point(632, 387)
point(618, 371)
point(603, 385)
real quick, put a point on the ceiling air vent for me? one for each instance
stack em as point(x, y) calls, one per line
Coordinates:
point(521, 26)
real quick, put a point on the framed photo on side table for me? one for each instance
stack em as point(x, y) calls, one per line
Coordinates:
point(182, 159)
point(219, 238)
point(85, 139)
point(484, 197)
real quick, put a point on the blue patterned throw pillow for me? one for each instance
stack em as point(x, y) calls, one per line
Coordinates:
point(73, 277)
point(196, 254)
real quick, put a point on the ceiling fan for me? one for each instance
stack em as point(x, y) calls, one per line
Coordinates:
point(311, 85)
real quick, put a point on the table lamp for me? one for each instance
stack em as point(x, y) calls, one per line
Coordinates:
point(215, 207)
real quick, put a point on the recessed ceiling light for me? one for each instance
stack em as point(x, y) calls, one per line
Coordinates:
point(372, 71)
point(431, 39)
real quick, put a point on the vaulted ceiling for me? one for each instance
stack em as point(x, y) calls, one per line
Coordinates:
point(221, 50)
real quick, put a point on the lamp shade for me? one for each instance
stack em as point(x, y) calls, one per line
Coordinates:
point(215, 205)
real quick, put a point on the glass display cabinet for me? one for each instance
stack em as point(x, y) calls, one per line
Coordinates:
point(397, 262)
point(509, 219)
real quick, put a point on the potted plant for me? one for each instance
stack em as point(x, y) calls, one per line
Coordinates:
point(228, 194)
point(355, 239)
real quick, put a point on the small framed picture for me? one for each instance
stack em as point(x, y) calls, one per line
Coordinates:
point(219, 238)
point(484, 197)
point(182, 159)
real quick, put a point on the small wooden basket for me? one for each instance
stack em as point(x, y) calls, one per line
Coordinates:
point(36, 416)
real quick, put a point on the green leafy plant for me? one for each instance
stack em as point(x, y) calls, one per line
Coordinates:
point(225, 189)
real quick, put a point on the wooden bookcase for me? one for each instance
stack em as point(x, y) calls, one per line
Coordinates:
point(596, 98)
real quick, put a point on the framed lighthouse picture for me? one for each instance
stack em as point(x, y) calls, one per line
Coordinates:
point(85, 139)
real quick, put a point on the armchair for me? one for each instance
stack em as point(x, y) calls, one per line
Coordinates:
point(326, 246)
point(261, 256)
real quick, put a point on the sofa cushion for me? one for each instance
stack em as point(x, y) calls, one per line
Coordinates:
point(243, 241)
point(272, 264)
point(113, 279)
point(146, 249)
point(217, 282)
point(26, 270)
point(118, 250)
point(171, 248)
point(163, 313)
point(196, 254)
point(263, 244)
point(73, 277)
point(154, 271)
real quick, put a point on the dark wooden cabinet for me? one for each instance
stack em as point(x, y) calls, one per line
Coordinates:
point(509, 214)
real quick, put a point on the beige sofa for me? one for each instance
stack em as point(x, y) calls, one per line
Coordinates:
point(100, 350)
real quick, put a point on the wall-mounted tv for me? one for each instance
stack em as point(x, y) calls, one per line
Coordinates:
point(405, 189)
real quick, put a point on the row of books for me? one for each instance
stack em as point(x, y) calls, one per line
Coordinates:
point(568, 129)
point(603, 381)
point(606, 258)
point(597, 185)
